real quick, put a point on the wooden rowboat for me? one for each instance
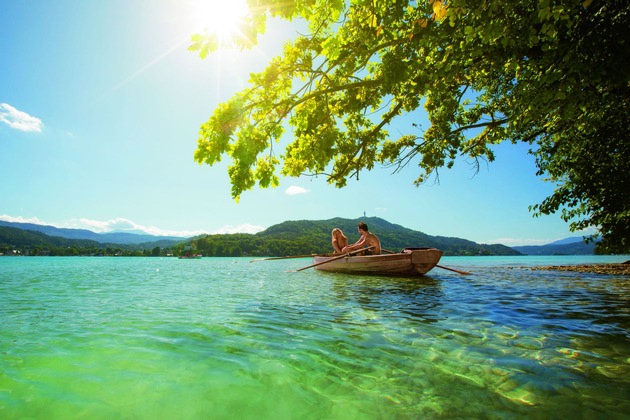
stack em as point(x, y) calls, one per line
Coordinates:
point(408, 262)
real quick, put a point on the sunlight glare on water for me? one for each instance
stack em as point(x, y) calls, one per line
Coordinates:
point(226, 338)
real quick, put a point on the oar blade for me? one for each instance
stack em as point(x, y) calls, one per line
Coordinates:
point(463, 273)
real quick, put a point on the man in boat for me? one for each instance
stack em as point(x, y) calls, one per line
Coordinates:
point(367, 239)
point(339, 241)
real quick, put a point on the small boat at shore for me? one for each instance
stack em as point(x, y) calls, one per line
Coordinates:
point(408, 262)
point(189, 253)
point(189, 257)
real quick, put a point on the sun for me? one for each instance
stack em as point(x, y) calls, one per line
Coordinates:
point(219, 17)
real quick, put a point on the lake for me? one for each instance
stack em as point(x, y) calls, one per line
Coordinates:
point(162, 338)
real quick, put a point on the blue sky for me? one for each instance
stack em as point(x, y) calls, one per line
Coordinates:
point(100, 106)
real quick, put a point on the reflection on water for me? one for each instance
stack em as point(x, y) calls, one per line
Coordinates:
point(398, 298)
point(223, 338)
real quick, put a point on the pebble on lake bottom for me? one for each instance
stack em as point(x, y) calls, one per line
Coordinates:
point(615, 269)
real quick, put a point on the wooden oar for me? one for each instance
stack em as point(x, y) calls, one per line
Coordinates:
point(333, 259)
point(282, 258)
point(464, 273)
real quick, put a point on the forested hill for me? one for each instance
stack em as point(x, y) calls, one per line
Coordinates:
point(314, 236)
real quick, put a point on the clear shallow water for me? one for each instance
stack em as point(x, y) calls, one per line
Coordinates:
point(226, 338)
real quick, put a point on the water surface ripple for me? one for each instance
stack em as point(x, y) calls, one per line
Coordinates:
point(227, 338)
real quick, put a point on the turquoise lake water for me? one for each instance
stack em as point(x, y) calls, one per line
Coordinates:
point(162, 338)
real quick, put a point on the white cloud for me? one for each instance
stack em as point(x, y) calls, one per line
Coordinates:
point(295, 190)
point(125, 225)
point(21, 219)
point(120, 224)
point(244, 228)
point(19, 120)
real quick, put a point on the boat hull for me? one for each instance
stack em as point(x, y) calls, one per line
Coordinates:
point(409, 262)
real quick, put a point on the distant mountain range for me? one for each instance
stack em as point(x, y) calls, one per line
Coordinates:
point(568, 246)
point(304, 232)
point(124, 238)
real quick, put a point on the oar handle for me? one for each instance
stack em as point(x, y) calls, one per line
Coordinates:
point(282, 258)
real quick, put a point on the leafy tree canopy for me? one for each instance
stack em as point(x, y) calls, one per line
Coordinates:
point(554, 74)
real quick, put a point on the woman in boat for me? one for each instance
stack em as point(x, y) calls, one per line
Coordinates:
point(339, 241)
point(367, 239)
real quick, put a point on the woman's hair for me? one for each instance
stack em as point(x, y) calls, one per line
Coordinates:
point(339, 231)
